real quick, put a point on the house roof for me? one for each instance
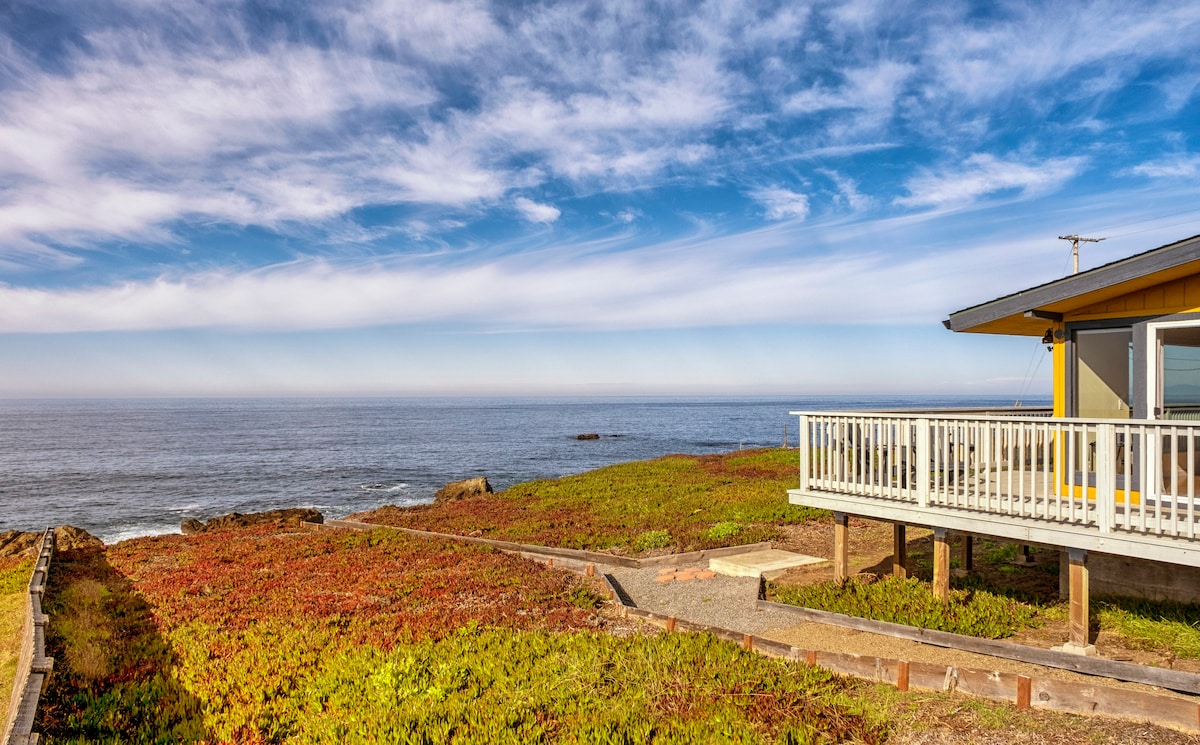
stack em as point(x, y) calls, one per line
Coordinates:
point(1025, 313)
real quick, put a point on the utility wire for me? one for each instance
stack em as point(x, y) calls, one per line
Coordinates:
point(1148, 219)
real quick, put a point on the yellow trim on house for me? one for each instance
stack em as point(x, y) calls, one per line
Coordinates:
point(1060, 371)
point(1174, 296)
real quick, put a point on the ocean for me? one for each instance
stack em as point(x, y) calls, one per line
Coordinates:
point(123, 468)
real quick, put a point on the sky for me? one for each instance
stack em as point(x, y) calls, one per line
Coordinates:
point(382, 197)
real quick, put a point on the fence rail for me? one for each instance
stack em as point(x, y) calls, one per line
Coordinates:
point(33, 666)
point(1139, 477)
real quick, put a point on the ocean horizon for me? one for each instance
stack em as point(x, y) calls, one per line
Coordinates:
point(127, 467)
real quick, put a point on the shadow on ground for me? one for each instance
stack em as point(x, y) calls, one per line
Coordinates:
point(113, 675)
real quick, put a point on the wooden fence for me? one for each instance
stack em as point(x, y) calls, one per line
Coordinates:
point(33, 666)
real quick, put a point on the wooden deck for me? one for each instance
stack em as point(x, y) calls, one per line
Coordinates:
point(1118, 487)
point(1122, 487)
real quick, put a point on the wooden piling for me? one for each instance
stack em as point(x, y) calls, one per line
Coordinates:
point(941, 564)
point(899, 551)
point(1080, 598)
point(841, 546)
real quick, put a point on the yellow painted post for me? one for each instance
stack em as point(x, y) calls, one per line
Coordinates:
point(1060, 370)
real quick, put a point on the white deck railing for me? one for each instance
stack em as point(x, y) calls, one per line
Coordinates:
point(1129, 476)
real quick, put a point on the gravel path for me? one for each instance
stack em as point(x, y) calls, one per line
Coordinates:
point(727, 602)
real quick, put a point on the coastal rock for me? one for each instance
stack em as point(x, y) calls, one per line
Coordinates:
point(289, 518)
point(67, 537)
point(588, 436)
point(18, 543)
point(465, 489)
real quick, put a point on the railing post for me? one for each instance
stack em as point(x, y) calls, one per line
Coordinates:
point(923, 456)
point(1106, 476)
point(805, 442)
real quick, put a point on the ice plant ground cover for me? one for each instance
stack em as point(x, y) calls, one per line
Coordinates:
point(680, 502)
point(330, 636)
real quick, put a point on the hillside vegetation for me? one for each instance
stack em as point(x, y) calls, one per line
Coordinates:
point(336, 637)
point(676, 503)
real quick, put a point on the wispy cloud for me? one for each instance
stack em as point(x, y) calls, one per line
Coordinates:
point(870, 92)
point(536, 211)
point(398, 128)
point(782, 203)
point(1183, 166)
point(983, 174)
point(610, 293)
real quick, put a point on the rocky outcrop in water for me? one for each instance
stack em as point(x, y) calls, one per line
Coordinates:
point(588, 436)
point(466, 489)
point(290, 518)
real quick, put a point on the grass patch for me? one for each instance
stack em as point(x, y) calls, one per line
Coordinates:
point(909, 601)
point(698, 501)
point(1161, 626)
point(14, 581)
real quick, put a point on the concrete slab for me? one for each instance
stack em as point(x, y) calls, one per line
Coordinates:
point(769, 563)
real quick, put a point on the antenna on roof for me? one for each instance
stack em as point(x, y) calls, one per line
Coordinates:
point(1075, 241)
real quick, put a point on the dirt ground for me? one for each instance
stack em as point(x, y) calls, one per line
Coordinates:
point(999, 563)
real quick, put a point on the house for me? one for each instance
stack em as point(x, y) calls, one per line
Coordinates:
point(1111, 476)
point(1126, 335)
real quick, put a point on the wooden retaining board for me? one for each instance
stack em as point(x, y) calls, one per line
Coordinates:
point(1024, 691)
point(1127, 671)
point(591, 557)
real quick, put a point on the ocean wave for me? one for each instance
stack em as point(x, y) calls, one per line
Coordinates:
point(384, 486)
point(127, 533)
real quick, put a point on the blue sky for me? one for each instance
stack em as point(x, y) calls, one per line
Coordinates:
point(390, 197)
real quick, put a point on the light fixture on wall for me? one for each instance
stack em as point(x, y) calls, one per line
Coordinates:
point(1048, 337)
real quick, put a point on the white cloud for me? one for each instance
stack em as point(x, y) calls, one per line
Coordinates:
point(537, 212)
point(1176, 167)
point(621, 292)
point(1037, 43)
point(871, 91)
point(436, 30)
point(782, 203)
point(983, 174)
point(848, 193)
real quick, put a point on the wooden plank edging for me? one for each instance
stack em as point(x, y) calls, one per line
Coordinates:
point(33, 666)
point(592, 557)
point(1021, 690)
point(1125, 671)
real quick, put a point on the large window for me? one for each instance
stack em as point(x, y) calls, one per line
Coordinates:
point(1104, 373)
point(1180, 371)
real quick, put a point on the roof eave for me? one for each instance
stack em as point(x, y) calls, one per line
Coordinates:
point(1008, 314)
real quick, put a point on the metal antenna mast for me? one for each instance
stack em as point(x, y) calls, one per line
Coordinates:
point(1075, 240)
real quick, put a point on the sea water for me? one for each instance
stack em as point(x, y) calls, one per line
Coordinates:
point(133, 467)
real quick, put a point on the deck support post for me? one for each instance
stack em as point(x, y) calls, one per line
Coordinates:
point(941, 564)
point(899, 551)
point(841, 547)
point(1078, 642)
